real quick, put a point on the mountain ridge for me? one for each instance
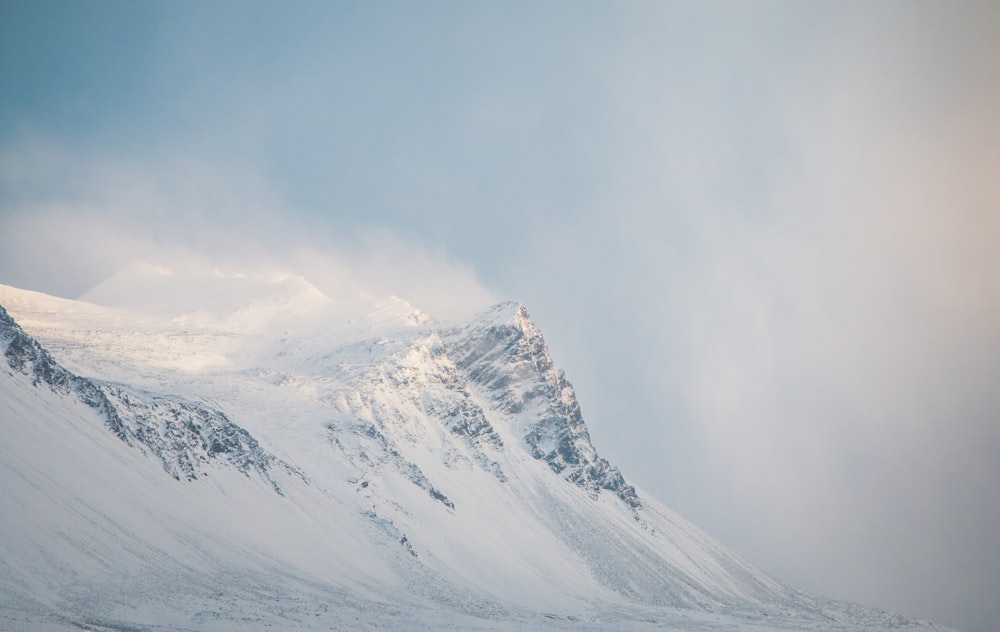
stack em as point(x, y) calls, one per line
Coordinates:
point(460, 447)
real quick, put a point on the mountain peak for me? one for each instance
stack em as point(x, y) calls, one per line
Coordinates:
point(506, 353)
point(452, 463)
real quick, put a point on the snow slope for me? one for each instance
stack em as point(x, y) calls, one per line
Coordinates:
point(217, 452)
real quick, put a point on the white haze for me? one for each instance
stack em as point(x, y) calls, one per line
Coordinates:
point(764, 243)
point(105, 216)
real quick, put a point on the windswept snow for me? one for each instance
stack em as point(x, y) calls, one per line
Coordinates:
point(265, 455)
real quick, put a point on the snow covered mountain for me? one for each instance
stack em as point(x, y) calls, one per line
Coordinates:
point(212, 452)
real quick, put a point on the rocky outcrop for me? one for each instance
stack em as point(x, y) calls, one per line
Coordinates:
point(372, 451)
point(184, 436)
point(504, 353)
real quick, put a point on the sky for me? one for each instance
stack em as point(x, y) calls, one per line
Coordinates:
point(762, 238)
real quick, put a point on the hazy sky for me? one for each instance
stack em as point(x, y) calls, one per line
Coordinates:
point(762, 238)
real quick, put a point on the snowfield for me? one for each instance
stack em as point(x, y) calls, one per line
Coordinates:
point(188, 451)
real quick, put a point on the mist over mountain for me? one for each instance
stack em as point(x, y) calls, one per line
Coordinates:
point(207, 450)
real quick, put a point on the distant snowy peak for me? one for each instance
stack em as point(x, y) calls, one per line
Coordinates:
point(143, 285)
point(251, 301)
point(139, 283)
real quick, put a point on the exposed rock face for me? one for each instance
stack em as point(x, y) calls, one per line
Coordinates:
point(185, 436)
point(390, 388)
point(373, 451)
point(501, 362)
point(505, 354)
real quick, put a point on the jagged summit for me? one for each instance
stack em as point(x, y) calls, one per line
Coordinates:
point(505, 352)
point(304, 472)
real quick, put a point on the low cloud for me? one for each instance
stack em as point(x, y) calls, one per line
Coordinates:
point(845, 352)
point(72, 219)
point(763, 243)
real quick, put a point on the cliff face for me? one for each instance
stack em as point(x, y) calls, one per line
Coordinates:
point(504, 354)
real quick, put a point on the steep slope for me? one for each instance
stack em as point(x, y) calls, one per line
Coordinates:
point(98, 530)
point(504, 353)
point(359, 475)
point(488, 398)
point(184, 436)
